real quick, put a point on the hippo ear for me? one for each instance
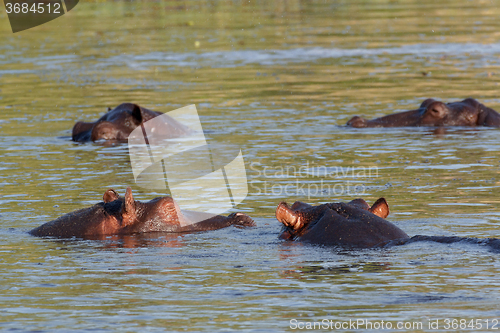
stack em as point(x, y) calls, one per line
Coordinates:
point(137, 114)
point(110, 196)
point(128, 212)
point(109, 109)
point(128, 206)
point(380, 208)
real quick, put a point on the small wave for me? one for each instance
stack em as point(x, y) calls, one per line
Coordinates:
point(273, 57)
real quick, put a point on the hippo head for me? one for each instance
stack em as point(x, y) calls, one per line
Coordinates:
point(468, 112)
point(123, 215)
point(353, 224)
point(115, 215)
point(114, 126)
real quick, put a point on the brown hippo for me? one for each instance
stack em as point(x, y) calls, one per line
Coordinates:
point(468, 112)
point(353, 225)
point(118, 123)
point(120, 216)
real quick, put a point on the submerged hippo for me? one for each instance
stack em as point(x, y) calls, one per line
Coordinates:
point(120, 216)
point(353, 225)
point(468, 112)
point(117, 124)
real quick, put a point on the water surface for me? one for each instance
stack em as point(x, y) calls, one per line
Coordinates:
point(279, 80)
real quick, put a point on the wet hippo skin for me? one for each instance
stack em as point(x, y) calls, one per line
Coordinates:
point(468, 112)
point(117, 124)
point(353, 225)
point(123, 215)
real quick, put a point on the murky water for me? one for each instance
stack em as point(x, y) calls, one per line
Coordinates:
point(278, 79)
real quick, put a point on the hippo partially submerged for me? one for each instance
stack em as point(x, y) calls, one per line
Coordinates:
point(352, 225)
point(117, 124)
point(120, 216)
point(468, 112)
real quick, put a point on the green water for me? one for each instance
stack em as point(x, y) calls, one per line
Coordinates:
point(278, 79)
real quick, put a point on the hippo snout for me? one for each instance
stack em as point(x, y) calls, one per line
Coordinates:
point(288, 217)
point(242, 219)
point(357, 122)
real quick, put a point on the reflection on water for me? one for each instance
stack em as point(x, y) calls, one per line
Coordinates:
point(320, 272)
point(278, 79)
point(152, 239)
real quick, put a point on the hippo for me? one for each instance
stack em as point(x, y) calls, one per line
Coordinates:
point(123, 215)
point(468, 112)
point(117, 124)
point(353, 225)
